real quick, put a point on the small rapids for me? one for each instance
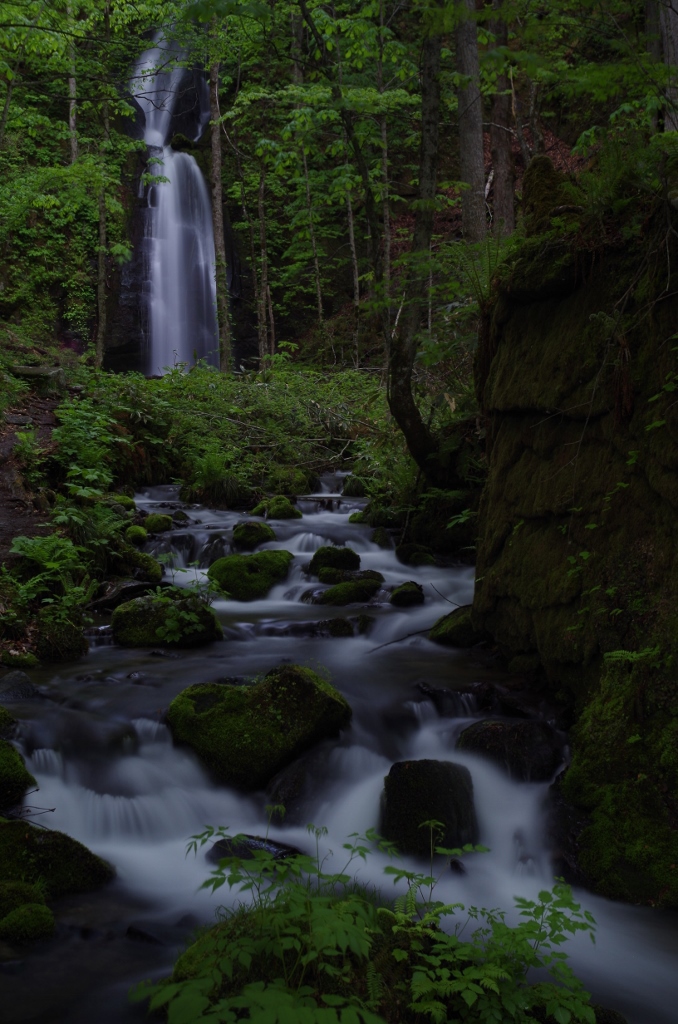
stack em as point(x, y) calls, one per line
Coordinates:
point(109, 775)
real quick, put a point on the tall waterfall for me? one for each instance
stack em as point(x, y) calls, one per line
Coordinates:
point(179, 285)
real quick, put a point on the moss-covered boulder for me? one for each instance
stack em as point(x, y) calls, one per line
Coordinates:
point(15, 894)
point(140, 565)
point(123, 500)
point(136, 535)
point(248, 577)
point(407, 594)
point(336, 627)
point(329, 575)
point(245, 734)
point(456, 629)
point(356, 591)
point(27, 923)
point(382, 538)
point(8, 724)
point(174, 617)
point(19, 659)
point(331, 557)
point(529, 751)
point(58, 640)
point(15, 778)
point(354, 487)
point(278, 507)
point(251, 534)
point(53, 860)
point(414, 554)
point(425, 790)
point(157, 522)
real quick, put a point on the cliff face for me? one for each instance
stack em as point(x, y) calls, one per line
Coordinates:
point(578, 555)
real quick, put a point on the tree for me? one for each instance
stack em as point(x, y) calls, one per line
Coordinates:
point(470, 117)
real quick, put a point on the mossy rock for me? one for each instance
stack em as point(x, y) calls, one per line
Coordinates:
point(136, 535)
point(140, 565)
point(42, 857)
point(354, 487)
point(249, 577)
point(357, 517)
point(121, 499)
point(15, 894)
point(414, 554)
point(289, 480)
point(251, 534)
point(332, 576)
point(19, 659)
point(245, 734)
point(15, 778)
point(157, 522)
point(407, 594)
point(59, 641)
point(456, 630)
point(337, 627)
point(382, 538)
point(354, 591)
point(227, 492)
point(177, 619)
point(278, 507)
point(332, 557)
point(27, 923)
point(528, 751)
point(8, 723)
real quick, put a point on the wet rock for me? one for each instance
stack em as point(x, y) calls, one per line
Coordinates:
point(529, 751)
point(248, 577)
point(278, 507)
point(455, 629)
point(140, 565)
point(59, 640)
point(244, 847)
point(52, 859)
point(16, 686)
point(180, 620)
point(251, 534)
point(27, 923)
point(8, 724)
point(336, 627)
point(450, 703)
point(16, 894)
point(157, 522)
point(414, 554)
point(330, 575)
point(382, 538)
point(356, 591)
point(425, 790)
point(15, 778)
point(334, 557)
point(565, 824)
point(120, 591)
point(180, 518)
point(407, 595)
point(245, 734)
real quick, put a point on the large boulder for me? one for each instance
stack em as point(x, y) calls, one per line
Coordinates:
point(529, 751)
point(15, 778)
point(28, 923)
point(176, 618)
point(334, 557)
point(355, 591)
point(455, 629)
point(245, 734)
point(407, 594)
point(248, 577)
point(414, 554)
point(419, 791)
point(251, 534)
point(59, 864)
point(278, 507)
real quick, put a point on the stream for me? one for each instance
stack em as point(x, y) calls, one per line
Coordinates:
point(110, 776)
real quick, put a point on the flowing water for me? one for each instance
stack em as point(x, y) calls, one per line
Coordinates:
point(179, 276)
point(110, 776)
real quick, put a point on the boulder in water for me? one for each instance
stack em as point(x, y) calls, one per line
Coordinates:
point(156, 522)
point(15, 778)
point(381, 537)
point(15, 894)
point(529, 751)
point(59, 640)
point(8, 724)
point(248, 577)
point(28, 923)
point(251, 534)
point(334, 557)
point(329, 575)
point(425, 790)
point(178, 618)
point(245, 734)
point(278, 507)
point(244, 847)
point(407, 594)
point(51, 859)
point(414, 554)
point(456, 630)
point(139, 564)
point(136, 535)
point(354, 591)
point(16, 685)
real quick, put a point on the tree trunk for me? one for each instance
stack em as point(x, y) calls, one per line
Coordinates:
point(500, 141)
point(72, 118)
point(356, 280)
point(385, 179)
point(314, 248)
point(263, 279)
point(223, 322)
point(471, 156)
point(668, 21)
point(101, 283)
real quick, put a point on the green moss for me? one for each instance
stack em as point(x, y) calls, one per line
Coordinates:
point(8, 723)
point(337, 627)
point(15, 894)
point(248, 577)
point(414, 554)
point(156, 522)
point(333, 557)
point(356, 517)
point(278, 507)
point(352, 592)
point(15, 778)
point(245, 734)
point(407, 594)
point(23, 659)
point(28, 923)
point(381, 537)
point(289, 480)
point(456, 629)
point(544, 189)
point(52, 859)
point(121, 499)
point(175, 618)
point(140, 565)
point(354, 487)
point(59, 641)
point(329, 575)
point(250, 535)
point(136, 535)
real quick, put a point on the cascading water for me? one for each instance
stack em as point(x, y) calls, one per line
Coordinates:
point(111, 777)
point(179, 287)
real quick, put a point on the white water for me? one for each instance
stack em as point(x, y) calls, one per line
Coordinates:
point(107, 766)
point(179, 286)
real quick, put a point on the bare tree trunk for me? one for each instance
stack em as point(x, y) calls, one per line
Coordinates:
point(500, 141)
point(72, 105)
point(263, 280)
point(471, 156)
point(385, 180)
point(356, 280)
point(101, 283)
point(297, 27)
point(518, 121)
point(271, 321)
point(314, 248)
point(668, 21)
point(223, 323)
point(653, 41)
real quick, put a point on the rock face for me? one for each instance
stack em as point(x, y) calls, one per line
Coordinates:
point(180, 620)
point(456, 629)
point(245, 734)
point(52, 859)
point(528, 751)
point(251, 534)
point(418, 791)
point(248, 577)
point(15, 778)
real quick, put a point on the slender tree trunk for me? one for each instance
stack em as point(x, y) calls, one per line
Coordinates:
point(224, 325)
point(385, 178)
point(263, 262)
point(668, 22)
point(653, 41)
point(314, 248)
point(271, 321)
point(72, 116)
point(356, 280)
point(297, 30)
point(471, 155)
point(500, 141)
point(101, 283)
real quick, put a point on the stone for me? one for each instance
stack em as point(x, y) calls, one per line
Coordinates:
point(16, 685)
point(356, 591)
point(278, 507)
point(19, 659)
point(156, 522)
point(529, 751)
point(426, 790)
point(59, 640)
point(136, 535)
point(414, 554)
point(407, 594)
point(334, 557)
point(179, 619)
point(248, 577)
point(27, 923)
point(40, 856)
point(244, 847)
point(8, 724)
point(381, 537)
point(140, 565)
point(119, 592)
point(245, 734)
point(16, 894)
point(250, 535)
point(456, 630)
point(15, 778)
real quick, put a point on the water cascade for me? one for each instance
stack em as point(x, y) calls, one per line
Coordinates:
point(111, 777)
point(179, 288)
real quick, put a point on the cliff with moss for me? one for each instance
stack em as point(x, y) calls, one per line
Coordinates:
point(578, 556)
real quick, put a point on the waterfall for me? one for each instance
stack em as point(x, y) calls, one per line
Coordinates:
point(179, 286)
